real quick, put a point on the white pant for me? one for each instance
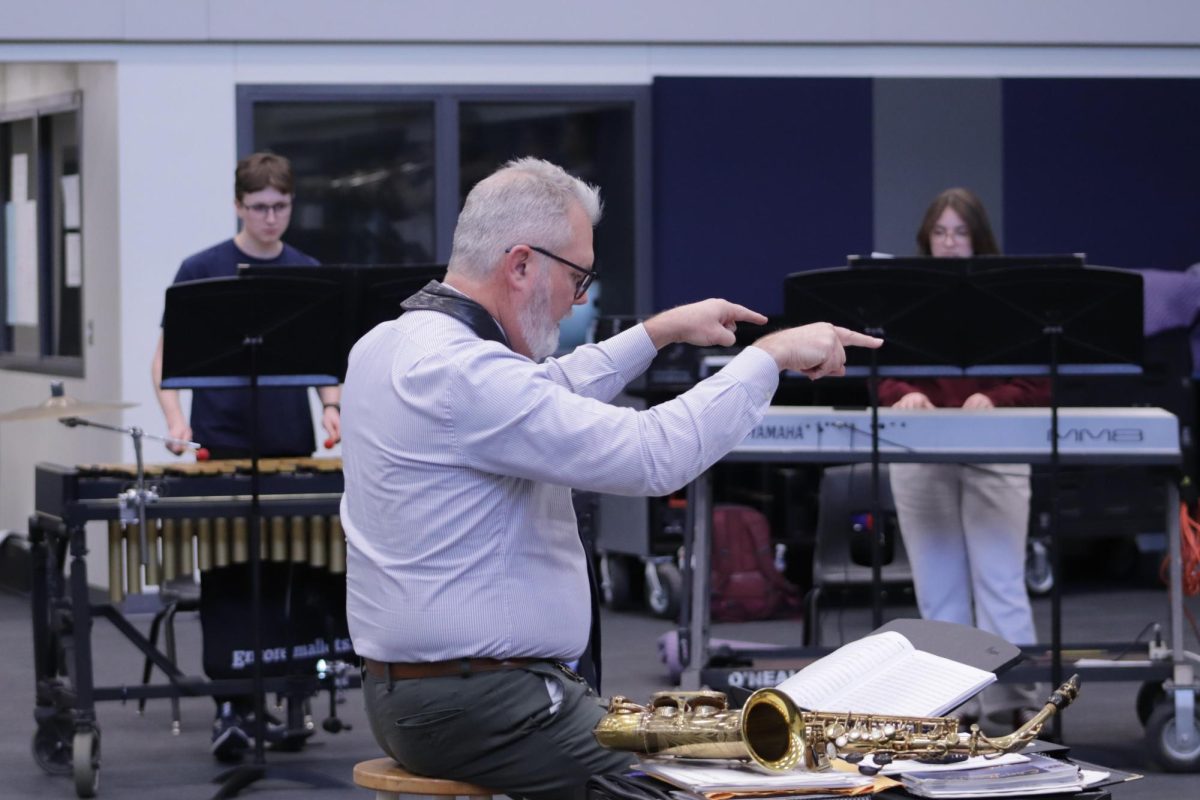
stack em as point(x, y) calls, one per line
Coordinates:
point(964, 528)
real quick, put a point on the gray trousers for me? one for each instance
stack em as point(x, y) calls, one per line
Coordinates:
point(497, 729)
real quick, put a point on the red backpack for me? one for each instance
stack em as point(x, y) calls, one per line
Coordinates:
point(745, 584)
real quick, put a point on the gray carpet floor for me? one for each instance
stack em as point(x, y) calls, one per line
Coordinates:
point(142, 759)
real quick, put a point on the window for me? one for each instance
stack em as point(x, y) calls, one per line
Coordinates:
point(381, 172)
point(364, 178)
point(41, 230)
point(590, 140)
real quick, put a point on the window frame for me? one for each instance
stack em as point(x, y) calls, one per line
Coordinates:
point(446, 100)
point(49, 302)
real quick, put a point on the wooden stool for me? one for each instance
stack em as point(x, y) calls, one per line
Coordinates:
point(392, 781)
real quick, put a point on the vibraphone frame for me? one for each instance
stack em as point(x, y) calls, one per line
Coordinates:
point(67, 737)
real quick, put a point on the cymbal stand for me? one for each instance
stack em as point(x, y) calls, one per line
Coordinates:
point(133, 501)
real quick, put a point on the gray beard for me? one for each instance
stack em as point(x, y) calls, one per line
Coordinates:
point(539, 330)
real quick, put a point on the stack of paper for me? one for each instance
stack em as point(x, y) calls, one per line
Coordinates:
point(1037, 775)
point(901, 765)
point(722, 778)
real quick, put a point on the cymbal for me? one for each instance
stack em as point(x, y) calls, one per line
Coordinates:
point(61, 406)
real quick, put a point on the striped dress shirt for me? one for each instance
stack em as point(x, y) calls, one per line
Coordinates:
point(459, 458)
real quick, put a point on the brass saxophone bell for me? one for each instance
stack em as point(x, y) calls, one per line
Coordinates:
point(778, 741)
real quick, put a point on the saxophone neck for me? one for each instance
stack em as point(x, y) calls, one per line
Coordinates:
point(1025, 734)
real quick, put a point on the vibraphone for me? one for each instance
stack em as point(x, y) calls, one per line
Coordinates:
point(177, 548)
point(199, 521)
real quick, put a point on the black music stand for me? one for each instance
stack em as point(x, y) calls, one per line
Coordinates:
point(253, 332)
point(1004, 320)
point(371, 294)
point(1079, 321)
point(908, 306)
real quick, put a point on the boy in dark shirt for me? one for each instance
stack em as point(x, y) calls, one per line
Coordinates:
point(221, 418)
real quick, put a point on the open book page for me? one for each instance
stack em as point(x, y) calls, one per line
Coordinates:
point(844, 668)
point(884, 674)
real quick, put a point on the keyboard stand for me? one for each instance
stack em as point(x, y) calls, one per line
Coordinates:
point(1153, 451)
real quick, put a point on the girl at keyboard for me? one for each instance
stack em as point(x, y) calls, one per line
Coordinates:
point(965, 525)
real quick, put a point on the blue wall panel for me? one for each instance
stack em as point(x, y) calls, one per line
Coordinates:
point(1108, 167)
point(756, 178)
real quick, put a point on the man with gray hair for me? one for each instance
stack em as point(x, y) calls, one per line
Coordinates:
point(467, 583)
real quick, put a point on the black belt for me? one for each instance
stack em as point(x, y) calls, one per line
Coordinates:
point(442, 669)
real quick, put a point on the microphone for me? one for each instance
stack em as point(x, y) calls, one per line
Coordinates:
point(71, 422)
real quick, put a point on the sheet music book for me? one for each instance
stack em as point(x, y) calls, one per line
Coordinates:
point(885, 674)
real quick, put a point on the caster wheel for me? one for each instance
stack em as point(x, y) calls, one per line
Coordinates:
point(617, 582)
point(664, 601)
point(1150, 694)
point(1164, 741)
point(1039, 574)
point(85, 751)
point(51, 751)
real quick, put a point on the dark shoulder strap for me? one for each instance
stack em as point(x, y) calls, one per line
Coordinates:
point(435, 297)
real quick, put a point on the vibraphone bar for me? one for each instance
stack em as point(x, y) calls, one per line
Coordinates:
point(180, 548)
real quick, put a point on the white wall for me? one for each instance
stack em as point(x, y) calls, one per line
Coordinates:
point(1052, 22)
point(22, 444)
point(159, 115)
point(177, 154)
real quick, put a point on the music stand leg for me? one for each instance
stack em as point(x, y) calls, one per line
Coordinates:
point(234, 780)
point(700, 511)
point(877, 526)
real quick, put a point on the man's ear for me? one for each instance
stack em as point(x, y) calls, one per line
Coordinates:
point(516, 266)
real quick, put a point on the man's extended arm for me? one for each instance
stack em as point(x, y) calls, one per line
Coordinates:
point(509, 419)
point(816, 350)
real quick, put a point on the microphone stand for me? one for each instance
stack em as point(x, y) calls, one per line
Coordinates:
point(133, 501)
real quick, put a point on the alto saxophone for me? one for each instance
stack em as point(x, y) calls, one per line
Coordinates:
point(774, 733)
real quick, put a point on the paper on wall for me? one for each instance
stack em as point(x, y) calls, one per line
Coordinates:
point(19, 182)
point(23, 287)
point(73, 261)
point(70, 194)
point(10, 257)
